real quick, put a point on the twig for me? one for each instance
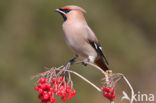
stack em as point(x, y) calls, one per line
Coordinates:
point(93, 65)
point(105, 74)
point(86, 80)
point(98, 68)
point(132, 91)
point(111, 101)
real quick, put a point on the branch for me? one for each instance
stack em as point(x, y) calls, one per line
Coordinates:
point(132, 91)
point(110, 78)
point(86, 80)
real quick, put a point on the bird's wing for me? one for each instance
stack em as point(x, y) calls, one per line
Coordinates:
point(90, 35)
point(94, 43)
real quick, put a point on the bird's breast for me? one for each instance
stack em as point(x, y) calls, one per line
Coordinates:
point(73, 32)
point(76, 38)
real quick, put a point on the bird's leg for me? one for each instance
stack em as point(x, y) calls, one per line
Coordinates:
point(73, 59)
point(69, 63)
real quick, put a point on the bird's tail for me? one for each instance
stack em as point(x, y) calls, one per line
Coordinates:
point(100, 62)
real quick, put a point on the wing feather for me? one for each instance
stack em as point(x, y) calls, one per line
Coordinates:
point(94, 43)
point(98, 49)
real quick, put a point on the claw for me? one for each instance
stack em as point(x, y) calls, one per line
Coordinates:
point(66, 67)
point(71, 61)
point(84, 63)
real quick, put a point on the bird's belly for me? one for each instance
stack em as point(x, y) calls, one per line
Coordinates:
point(81, 48)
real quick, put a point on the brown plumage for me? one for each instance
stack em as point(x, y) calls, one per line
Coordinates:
point(79, 37)
point(100, 62)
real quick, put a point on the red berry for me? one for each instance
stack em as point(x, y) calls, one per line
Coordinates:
point(36, 88)
point(107, 89)
point(109, 95)
point(43, 86)
point(63, 84)
point(67, 86)
point(39, 85)
point(52, 99)
point(45, 92)
point(53, 80)
point(104, 94)
point(68, 90)
point(46, 96)
point(44, 101)
point(50, 93)
point(102, 88)
point(40, 90)
point(69, 95)
point(112, 96)
point(43, 80)
point(58, 93)
point(55, 88)
point(40, 96)
point(57, 80)
point(48, 85)
point(61, 78)
point(63, 98)
point(51, 89)
point(63, 93)
point(73, 92)
point(61, 87)
point(112, 91)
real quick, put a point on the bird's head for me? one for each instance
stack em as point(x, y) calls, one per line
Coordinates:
point(69, 11)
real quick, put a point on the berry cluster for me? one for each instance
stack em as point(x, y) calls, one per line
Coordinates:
point(62, 89)
point(45, 91)
point(57, 86)
point(108, 92)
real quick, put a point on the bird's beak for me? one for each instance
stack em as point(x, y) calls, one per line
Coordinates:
point(57, 10)
point(60, 11)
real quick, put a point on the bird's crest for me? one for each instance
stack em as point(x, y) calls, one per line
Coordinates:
point(73, 7)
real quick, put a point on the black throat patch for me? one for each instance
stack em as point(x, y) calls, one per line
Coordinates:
point(65, 11)
point(64, 17)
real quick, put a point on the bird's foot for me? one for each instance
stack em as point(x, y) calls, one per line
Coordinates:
point(84, 62)
point(70, 62)
point(66, 67)
point(73, 59)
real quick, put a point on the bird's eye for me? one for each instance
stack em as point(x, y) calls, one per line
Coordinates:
point(66, 10)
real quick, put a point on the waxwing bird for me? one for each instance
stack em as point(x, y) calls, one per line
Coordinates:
point(80, 38)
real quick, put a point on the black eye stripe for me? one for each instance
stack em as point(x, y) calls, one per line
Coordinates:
point(65, 10)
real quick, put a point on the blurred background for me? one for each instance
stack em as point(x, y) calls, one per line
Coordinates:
point(31, 39)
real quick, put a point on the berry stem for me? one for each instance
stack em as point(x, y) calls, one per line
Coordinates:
point(132, 91)
point(111, 101)
point(93, 65)
point(86, 80)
